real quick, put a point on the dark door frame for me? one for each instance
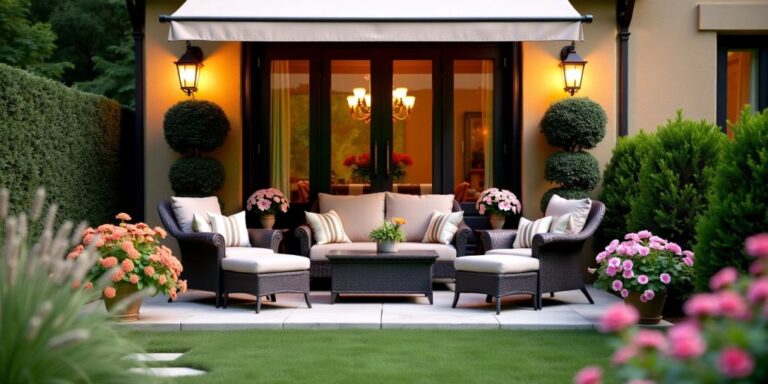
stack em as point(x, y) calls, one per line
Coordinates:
point(730, 42)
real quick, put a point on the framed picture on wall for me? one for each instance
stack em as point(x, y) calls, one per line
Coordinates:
point(474, 143)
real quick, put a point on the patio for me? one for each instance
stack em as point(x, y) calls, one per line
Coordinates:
point(195, 311)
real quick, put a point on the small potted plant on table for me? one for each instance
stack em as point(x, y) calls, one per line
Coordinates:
point(268, 202)
point(388, 235)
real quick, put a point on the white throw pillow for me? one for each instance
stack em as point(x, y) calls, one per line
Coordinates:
point(578, 208)
point(201, 223)
point(185, 207)
point(442, 227)
point(562, 224)
point(527, 229)
point(232, 228)
point(326, 227)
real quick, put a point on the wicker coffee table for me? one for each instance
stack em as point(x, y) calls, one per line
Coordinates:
point(371, 272)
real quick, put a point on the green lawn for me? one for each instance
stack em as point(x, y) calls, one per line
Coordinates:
point(382, 356)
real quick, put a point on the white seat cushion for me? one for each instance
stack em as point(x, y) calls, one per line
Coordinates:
point(417, 211)
point(265, 263)
point(498, 264)
point(511, 251)
point(245, 251)
point(359, 214)
point(444, 252)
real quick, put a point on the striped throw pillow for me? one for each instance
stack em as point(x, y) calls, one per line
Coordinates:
point(326, 227)
point(527, 229)
point(442, 227)
point(232, 228)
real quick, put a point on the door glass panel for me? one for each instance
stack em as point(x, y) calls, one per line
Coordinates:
point(742, 83)
point(411, 156)
point(289, 123)
point(350, 129)
point(473, 127)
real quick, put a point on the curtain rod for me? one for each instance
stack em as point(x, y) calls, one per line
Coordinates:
point(166, 18)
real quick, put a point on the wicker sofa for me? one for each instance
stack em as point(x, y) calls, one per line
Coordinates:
point(362, 213)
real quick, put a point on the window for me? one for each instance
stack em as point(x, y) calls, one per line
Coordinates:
point(742, 77)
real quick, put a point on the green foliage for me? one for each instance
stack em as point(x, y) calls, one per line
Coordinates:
point(27, 44)
point(620, 186)
point(565, 193)
point(737, 201)
point(195, 126)
point(675, 179)
point(573, 170)
point(389, 230)
point(116, 77)
point(58, 137)
point(574, 124)
point(196, 176)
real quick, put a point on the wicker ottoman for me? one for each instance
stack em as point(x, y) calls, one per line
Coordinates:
point(498, 276)
point(265, 275)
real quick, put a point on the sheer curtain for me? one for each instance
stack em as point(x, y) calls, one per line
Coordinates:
point(486, 109)
point(280, 122)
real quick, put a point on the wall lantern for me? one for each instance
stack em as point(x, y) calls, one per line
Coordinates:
point(188, 67)
point(573, 68)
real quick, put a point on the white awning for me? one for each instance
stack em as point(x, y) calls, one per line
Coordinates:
point(376, 20)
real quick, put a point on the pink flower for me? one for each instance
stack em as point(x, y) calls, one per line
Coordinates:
point(481, 210)
point(602, 256)
point(648, 294)
point(656, 239)
point(757, 245)
point(685, 341)
point(627, 265)
point(735, 362)
point(618, 317)
point(611, 270)
point(263, 205)
point(589, 375)
point(624, 293)
point(122, 216)
point(656, 246)
point(622, 355)
point(643, 251)
point(614, 262)
point(732, 305)
point(758, 291)
point(109, 292)
point(628, 274)
point(665, 278)
point(688, 254)
point(703, 304)
point(647, 338)
point(644, 234)
point(127, 265)
point(674, 248)
point(612, 246)
point(723, 278)
point(642, 279)
point(631, 236)
point(688, 261)
point(617, 285)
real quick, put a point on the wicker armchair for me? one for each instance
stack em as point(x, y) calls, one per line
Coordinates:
point(202, 252)
point(559, 255)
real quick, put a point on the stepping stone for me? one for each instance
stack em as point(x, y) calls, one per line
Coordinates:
point(169, 371)
point(152, 357)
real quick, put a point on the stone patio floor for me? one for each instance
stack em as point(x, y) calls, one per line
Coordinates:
point(195, 310)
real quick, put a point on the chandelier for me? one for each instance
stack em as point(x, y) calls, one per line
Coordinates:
point(360, 104)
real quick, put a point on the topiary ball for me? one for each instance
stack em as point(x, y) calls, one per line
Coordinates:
point(574, 124)
point(573, 170)
point(565, 193)
point(195, 126)
point(196, 176)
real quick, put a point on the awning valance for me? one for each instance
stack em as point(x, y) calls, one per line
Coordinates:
point(376, 20)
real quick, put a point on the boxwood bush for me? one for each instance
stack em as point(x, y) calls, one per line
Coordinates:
point(573, 170)
point(196, 176)
point(195, 126)
point(65, 140)
point(737, 202)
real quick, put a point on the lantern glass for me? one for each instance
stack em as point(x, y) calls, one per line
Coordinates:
point(572, 75)
point(189, 74)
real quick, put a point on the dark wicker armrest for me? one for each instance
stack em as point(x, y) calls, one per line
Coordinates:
point(265, 238)
point(544, 239)
point(211, 239)
point(497, 238)
point(304, 235)
point(463, 235)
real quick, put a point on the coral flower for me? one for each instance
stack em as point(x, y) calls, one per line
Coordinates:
point(109, 262)
point(88, 285)
point(161, 279)
point(149, 270)
point(127, 265)
point(109, 292)
point(118, 275)
point(398, 220)
point(123, 216)
point(134, 278)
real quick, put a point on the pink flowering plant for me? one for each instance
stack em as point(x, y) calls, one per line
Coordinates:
point(642, 263)
point(131, 254)
point(267, 201)
point(723, 339)
point(498, 201)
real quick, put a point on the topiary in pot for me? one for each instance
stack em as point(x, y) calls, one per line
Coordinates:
point(196, 176)
point(195, 126)
point(737, 200)
point(573, 170)
point(574, 124)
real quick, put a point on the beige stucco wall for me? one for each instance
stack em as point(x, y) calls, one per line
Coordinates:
point(219, 82)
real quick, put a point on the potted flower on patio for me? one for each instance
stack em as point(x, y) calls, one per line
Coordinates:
point(133, 256)
point(640, 269)
point(267, 202)
point(499, 203)
point(388, 235)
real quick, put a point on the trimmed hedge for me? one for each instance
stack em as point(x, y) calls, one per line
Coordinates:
point(574, 124)
point(196, 176)
point(573, 170)
point(737, 201)
point(62, 139)
point(195, 126)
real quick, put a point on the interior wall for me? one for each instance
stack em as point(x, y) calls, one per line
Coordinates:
point(219, 83)
point(543, 86)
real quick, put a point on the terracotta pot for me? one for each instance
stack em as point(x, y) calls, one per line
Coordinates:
point(267, 221)
point(128, 312)
point(386, 246)
point(497, 221)
point(650, 311)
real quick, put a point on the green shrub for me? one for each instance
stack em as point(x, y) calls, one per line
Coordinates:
point(675, 179)
point(737, 202)
point(195, 126)
point(573, 170)
point(574, 124)
point(63, 139)
point(565, 193)
point(196, 176)
point(620, 186)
